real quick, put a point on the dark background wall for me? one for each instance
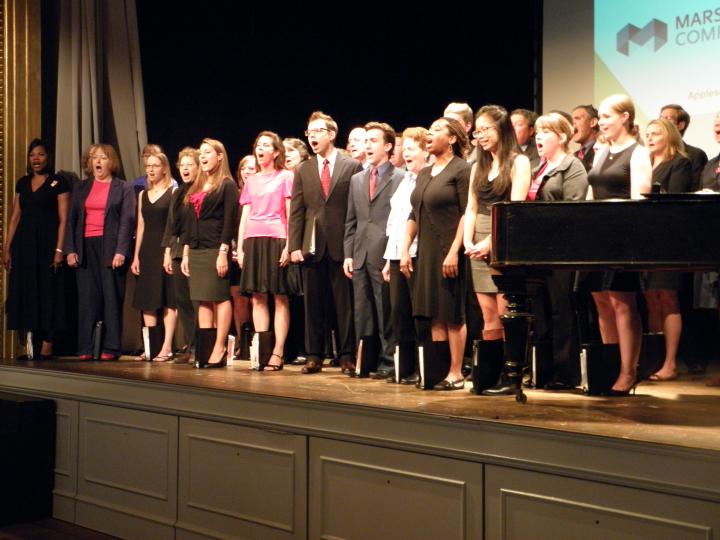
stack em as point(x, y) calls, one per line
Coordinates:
point(228, 70)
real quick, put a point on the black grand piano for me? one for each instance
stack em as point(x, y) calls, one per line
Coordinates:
point(662, 232)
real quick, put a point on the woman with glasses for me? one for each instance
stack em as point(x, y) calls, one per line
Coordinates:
point(154, 290)
point(500, 173)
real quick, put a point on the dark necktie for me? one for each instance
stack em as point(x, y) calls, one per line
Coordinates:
point(373, 182)
point(325, 178)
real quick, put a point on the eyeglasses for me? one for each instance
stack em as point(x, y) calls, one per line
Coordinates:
point(315, 131)
point(482, 131)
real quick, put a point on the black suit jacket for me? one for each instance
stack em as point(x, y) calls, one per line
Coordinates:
point(308, 202)
point(587, 159)
point(711, 174)
point(698, 159)
point(119, 223)
point(366, 223)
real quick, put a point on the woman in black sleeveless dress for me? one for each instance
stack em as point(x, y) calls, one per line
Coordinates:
point(33, 250)
point(154, 290)
point(622, 171)
point(500, 173)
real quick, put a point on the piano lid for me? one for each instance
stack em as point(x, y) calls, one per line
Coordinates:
point(653, 234)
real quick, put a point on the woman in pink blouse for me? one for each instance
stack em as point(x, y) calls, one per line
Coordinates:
point(262, 246)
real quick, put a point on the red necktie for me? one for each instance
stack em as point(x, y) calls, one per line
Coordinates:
point(373, 182)
point(581, 153)
point(325, 178)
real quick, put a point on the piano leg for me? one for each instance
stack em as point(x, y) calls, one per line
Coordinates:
point(516, 323)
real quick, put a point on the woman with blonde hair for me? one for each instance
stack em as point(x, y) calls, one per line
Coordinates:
point(621, 171)
point(154, 290)
point(671, 173)
point(210, 227)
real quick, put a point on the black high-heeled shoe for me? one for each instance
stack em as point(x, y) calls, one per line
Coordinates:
point(622, 393)
point(220, 364)
point(274, 367)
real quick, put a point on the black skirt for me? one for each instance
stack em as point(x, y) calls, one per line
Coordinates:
point(205, 284)
point(261, 272)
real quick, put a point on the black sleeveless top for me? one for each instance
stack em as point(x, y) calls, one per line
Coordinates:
point(610, 179)
point(487, 197)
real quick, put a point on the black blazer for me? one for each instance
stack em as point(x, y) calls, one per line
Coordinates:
point(119, 223)
point(308, 202)
point(366, 223)
point(675, 176)
point(587, 159)
point(217, 223)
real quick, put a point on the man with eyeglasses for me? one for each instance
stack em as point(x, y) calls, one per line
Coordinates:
point(356, 145)
point(315, 239)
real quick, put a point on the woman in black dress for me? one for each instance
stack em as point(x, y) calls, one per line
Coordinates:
point(209, 230)
point(154, 290)
point(438, 204)
point(672, 172)
point(188, 164)
point(33, 249)
point(622, 171)
point(241, 303)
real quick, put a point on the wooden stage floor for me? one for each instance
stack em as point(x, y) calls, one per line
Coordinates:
point(683, 413)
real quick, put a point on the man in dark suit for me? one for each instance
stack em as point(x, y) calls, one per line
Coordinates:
point(585, 131)
point(523, 122)
point(316, 228)
point(698, 158)
point(365, 241)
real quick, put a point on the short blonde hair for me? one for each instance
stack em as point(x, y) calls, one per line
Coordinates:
point(417, 134)
point(556, 123)
point(463, 110)
point(109, 151)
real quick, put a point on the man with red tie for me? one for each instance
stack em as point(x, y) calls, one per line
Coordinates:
point(315, 240)
point(365, 241)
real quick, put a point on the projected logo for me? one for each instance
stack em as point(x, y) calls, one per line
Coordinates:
point(655, 30)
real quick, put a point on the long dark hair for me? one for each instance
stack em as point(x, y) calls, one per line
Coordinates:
point(49, 168)
point(507, 149)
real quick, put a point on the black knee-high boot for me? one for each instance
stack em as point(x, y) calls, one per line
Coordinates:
point(487, 363)
point(204, 345)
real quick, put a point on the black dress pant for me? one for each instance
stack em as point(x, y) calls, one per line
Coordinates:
point(401, 303)
point(101, 291)
point(328, 304)
point(556, 321)
point(185, 307)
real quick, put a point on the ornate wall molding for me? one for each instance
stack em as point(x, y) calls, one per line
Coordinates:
point(20, 114)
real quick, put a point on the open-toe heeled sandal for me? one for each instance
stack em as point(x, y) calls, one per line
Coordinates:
point(163, 357)
point(274, 367)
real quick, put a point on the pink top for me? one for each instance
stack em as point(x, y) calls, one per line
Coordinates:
point(266, 194)
point(196, 199)
point(95, 209)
